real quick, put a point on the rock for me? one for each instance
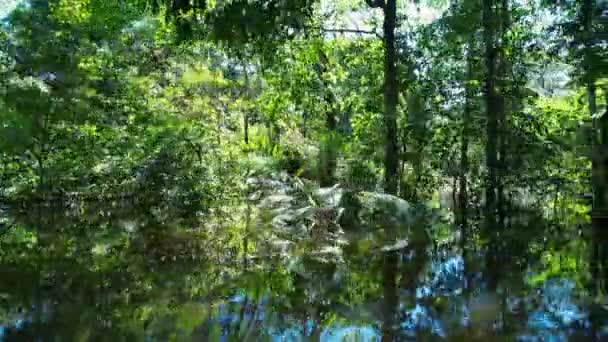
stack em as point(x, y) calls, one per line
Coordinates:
point(373, 210)
point(276, 201)
point(303, 213)
point(329, 197)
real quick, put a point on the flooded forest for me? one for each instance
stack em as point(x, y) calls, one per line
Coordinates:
point(303, 170)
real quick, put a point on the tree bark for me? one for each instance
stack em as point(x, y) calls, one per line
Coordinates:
point(492, 109)
point(391, 159)
point(599, 255)
point(601, 217)
point(391, 162)
point(464, 146)
point(462, 203)
point(504, 100)
point(246, 113)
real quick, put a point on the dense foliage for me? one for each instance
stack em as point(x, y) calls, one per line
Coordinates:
point(186, 170)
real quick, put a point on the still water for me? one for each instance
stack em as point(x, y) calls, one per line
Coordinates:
point(275, 269)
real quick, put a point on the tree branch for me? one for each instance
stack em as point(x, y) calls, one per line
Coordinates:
point(344, 30)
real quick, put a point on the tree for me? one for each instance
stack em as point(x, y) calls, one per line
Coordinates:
point(590, 61)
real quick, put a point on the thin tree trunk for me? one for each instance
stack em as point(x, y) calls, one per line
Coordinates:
point(602, 154)
point(330, 118)
point(455, 194)
point(246, 128)
point(41, 180)
point(503, 130)
point(246, 114)
point(246, 237)
point(491, 100)
point(246, 140)
point(402, 163)
point(464, 147)
point(591, 102)
point(391, 160)
point(462, 184)
point(42, 142)
point(304, 125)
point(218, 118)
point(269, 136)
point(464, 168)
point(492, 109)
point(598, 237)
point(601, 216)
point(599, 261)
point(219, 128)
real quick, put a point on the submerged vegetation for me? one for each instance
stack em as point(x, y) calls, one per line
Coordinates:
point(191, 170)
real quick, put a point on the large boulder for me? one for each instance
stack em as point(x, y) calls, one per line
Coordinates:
point(304, 225)
point(301, 206)
point(384, 210)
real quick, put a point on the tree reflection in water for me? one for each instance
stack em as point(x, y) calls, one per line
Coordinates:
point(122, 286)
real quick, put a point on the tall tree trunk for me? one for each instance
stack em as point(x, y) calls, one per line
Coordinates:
point(219, 128)
point(492, 106)
point(599, 261)
point(504, 101)
point(464, 146)
point(462, 203)
point(492, 109)
point(391, 163)
point(597, 236)
point(591, 103)
point(601, 216)
point(598, 171)
point(246, 140)
point(246, 114)
point(246, 128)
point(330, 115)
point(391, 160)
point(41, 179)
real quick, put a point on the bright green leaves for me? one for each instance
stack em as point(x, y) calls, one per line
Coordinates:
point(15, 131)
point(202, 76)
point(71, 11)
point(101, 18)
point(567, 262)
